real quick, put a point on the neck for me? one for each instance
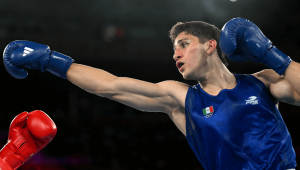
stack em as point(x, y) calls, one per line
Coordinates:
point(216, 79)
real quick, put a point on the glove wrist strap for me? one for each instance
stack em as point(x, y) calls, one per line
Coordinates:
point(277, 60)
point(59, 64)
point(9, 158)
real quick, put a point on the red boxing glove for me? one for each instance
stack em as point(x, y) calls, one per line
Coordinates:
point(4, 165)
point(28, 134)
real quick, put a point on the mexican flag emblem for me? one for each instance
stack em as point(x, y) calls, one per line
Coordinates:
point(208, 112)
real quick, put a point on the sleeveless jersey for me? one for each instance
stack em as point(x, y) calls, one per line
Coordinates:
point(239, 129)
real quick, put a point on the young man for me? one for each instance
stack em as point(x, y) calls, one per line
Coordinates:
point(230, 121)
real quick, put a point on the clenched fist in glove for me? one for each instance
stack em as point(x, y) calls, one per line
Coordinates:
point(28, 134)
point(242, 40)
point(19, 55)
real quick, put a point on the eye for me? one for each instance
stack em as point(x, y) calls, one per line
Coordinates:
point(184, 44)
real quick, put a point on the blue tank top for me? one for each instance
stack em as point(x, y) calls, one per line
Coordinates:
point(239, 129)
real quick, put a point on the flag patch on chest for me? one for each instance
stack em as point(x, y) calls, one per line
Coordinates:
point(208, 112)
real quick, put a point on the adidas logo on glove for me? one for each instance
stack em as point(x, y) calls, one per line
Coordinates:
point(27, 51)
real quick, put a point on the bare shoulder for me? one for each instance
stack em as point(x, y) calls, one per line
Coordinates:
point(268, 77)
point(175, 89)
point(173, 85)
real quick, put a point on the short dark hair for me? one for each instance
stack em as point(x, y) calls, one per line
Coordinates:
point(204, 31)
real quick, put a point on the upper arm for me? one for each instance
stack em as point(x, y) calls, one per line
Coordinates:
point(279, 87)
point(146, 96)
point(165, 96)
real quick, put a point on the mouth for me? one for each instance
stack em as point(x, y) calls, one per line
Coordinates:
point(179, 65)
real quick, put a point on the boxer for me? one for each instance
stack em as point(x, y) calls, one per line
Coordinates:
point(231, 121)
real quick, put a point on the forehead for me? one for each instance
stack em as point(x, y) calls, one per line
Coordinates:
point(184, 35)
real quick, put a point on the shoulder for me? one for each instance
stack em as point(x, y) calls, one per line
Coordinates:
point(268, 77)
point(173, 84)
point(174, 88)
point(177, 92)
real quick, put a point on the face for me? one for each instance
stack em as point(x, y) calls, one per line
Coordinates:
point(190, 56)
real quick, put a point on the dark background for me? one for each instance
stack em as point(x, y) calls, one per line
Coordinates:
point(127, 38)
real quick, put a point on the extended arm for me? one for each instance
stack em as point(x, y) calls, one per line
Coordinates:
point(132, 92)
point(166, 96)
point(141, 95)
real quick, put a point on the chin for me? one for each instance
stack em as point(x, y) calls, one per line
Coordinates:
point(186, 77)
point(189, 76)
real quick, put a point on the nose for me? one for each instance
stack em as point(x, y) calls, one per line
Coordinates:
point(177, 54)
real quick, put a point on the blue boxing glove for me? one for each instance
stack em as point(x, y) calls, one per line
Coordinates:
point(19, 55)
point(242, 40)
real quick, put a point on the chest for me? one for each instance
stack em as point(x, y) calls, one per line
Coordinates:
point(233, 110)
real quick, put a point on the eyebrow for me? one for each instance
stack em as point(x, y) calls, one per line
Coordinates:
point(179, 41)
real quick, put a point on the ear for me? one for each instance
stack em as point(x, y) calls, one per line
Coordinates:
point(211, 45)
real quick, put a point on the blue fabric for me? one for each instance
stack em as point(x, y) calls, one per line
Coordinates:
point(245, 131)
